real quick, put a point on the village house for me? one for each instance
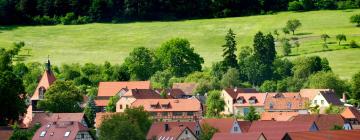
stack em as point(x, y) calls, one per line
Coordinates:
point(110, 89)
point(237, 136)
point(231, 96)
point(285, 102)
point(171, 109)
point(44, 118)
point(321, 97)
point(323, 121)
point(226, 125)
point(324, 135)
point(172, 131)
point(243, 101)
point(352, 115)
point(275, 130)
point(60, 130)
point(132, 95)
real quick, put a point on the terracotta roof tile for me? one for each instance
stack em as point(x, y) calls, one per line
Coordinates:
point(233, 92)
point(142, 94)
point(188, 88)
point(101, 102)
point(274, 130)
point(323, 121)
point(224, 125)
point(278, 116)
point(325, 135)
point(285, 103)
point(111, 88)
point(244, 125)
point(171, 93)
point(46, 80)
point(311, 93)
point(57, 130)
point(260, 99)
point(351, 113)
point(237, 136)
point(44, 118)
point(171, 104)
point(157, 129)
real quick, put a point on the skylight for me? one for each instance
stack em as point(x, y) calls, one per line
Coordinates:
point(67, 133)
point(42, 134)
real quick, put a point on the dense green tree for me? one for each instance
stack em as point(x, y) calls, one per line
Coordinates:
point(231, 78)
point(177, 56)
point(61, 97)
point(229, 50)
point(326, 4)
point(334, 109)
point(120, 73)
point(23, 134)
point(324, 37)
point(140, 63)
point(140, 117)
point(245, 53)
point(207, 132)
point(161, 79)
point(293, 25)
point(327, 80)
point(214, 104)
point(90, 111)
point(308, 4)
point(355, 19)
point(295, 6)
point(282, 69)
point(305, 66)
point(286, 46)
point(252, 115)
point(111, 106)
point(268, 86)
point(355, 86)
point(341, 37)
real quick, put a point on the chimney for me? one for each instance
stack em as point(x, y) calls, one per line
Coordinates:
point(235, 89)
point(166, 127)
point(344, 98)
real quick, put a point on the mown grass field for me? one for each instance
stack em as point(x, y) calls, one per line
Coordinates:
point(112, 42)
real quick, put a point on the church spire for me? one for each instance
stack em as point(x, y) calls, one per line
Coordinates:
point(48, 65)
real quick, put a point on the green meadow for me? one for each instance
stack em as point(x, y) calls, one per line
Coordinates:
point(101, 42)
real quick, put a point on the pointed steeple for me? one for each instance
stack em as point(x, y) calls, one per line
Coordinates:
point(48, 65)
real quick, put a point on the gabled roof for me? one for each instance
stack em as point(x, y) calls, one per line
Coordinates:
point(284, 94)
point(171, 93)
point(274, 130)
point(101, 102)
point(191, 104)
point(223, 125)
point(188, 88)
point(244, 125)
point(142, 94)
point(111, 88)
point(278, 116)
point(311, 93)
point(157, 129)
point(285, 103)
point(325, 135)
point(233, 92)
point(260, 99)
point(46, 80)
point(57, 130)
point(351, 113)
point(331, 97)
point(238, 136)
point(323, 121)
point(44, 118)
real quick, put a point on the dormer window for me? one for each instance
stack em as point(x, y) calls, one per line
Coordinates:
point(252, 100)
point(41, 92)
point(240, 100)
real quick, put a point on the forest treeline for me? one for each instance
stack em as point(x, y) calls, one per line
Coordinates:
point(47, 12)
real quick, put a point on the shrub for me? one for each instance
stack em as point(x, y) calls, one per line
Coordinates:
point(348, 4)
point(353, 44)
point(45, 20)
point(69, 19)
point(326, 4)
point(83, 20)
point(355, 19)
point(295, 6)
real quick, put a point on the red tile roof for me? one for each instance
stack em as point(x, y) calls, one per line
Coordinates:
point(191, 104)
point(223, 125)
point(101, 102)
point(325, 135)
point(274, 130)
point(323, 121)
point(311, 93)
point(351, 113)
point(260, 99)
point(244, 125)
point(46, 80)
point(143, 94)
point(111, 88)
point(278, 116)
point(237, 136)
point(44, 118)
point(57, 130)
point(285, 103)
point(171, 93)
point(188, 88)
point(157, 129)
point(233, 92)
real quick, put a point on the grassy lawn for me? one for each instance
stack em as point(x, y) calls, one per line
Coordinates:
point(112, 42)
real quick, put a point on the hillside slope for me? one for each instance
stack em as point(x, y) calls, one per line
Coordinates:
point(112, 42)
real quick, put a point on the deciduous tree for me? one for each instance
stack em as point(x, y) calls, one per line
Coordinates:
point(341, 37)
point(252, 115)
point(215, 104)
point(293, 25)
point(140, 63)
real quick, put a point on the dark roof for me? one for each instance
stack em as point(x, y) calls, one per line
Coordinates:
point(233, 92)
point(275, 130)
point(331, 97)
point(143, 94)
point(324, 135)
point(188, 88)
point(237, 136)
point(171, 93)
point(322, 121)
point(157, 129)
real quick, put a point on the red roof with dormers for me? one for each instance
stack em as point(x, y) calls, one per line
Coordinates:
point(46, 80)
point(58, 131)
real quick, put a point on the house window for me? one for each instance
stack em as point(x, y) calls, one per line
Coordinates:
point(82, 135)
point(322, 102)
point(120, 106)
point(190, 113)
point(289, 105)
point(315, 101)
point(236, 129)
point(197, 133)
point(271, 106)
point(43, 133)
point(246, 111)
point(186, 132)
point(67, 133)
point(41, 92)
point(153, 113)
point(164, 114)
point(177, 113)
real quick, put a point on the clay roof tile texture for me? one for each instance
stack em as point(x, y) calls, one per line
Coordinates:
point(111, 88)
point(325, 135)
point(323, 121)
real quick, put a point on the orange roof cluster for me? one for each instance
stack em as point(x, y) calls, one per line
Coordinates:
point(154, 105)
point(223, 125)
point(311, 93)
point(246, 97)
point(324, 135)
point(111, 88)
point(44, 118)
point(238, 136)
point(278, 116)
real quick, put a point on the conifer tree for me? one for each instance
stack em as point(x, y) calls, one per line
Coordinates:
point(229, 50)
